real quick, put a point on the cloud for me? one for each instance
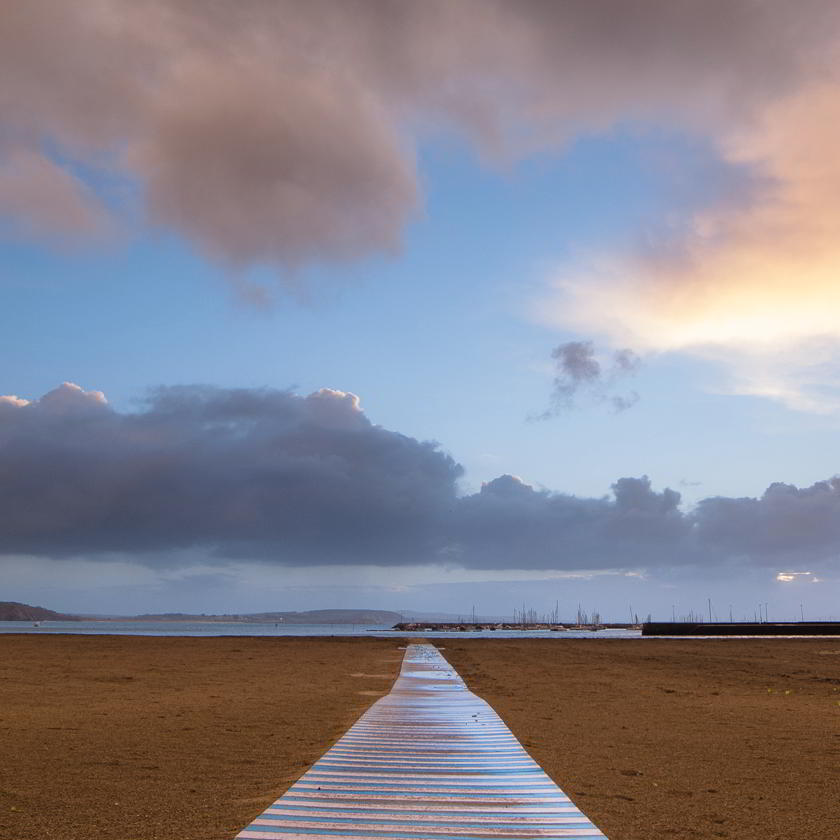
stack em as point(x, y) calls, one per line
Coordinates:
point(577, 371)
point(509, 524)
point(38, 197)
point(576, 366)
point(208, 475)
point(790, 577)
point(749, 283)
point(305, 164)
point(235, 472)
point(273, 131)
point(786, 525)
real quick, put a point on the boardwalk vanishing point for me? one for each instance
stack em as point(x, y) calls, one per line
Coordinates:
point(429, 760)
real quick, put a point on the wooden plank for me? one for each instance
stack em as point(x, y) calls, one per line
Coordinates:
point(430, 761)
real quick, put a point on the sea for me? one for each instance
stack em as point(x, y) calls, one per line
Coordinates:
point(239, 628)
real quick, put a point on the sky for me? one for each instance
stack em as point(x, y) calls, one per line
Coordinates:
point(421, 306)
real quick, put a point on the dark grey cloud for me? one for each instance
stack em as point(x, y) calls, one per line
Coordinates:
point(576, 367)
point(577, 372)
point(280, 478)
point(238, 472)
point(510, 522)
point(622, 403)
point(279, 131)
point(786, 525)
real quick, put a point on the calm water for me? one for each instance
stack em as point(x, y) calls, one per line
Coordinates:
point(237, 628)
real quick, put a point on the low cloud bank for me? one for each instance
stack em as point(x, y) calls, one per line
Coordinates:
point(241, 472)
point(293, 480)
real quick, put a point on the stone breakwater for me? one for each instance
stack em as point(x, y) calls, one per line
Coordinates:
point(437, 626)
point(742, 628)
point(468, 626)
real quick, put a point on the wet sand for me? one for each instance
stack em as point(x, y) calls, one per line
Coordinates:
point(138, 738)
point(668, 738)
point(131, 738)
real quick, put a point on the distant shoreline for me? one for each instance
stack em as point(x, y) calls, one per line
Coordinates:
point(15, 611)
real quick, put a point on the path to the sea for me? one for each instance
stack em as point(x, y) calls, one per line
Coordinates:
point(429, 760)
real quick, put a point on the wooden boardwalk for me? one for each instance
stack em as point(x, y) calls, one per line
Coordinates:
point(429, 760)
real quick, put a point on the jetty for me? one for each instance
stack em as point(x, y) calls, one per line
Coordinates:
point(741, 628)
point(429, 761)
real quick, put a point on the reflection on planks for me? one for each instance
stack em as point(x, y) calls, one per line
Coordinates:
point(429, 760)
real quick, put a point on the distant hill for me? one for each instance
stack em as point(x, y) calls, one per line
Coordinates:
point(460, 618)
point(330, 617)
point(13, 611)
point(306, 617)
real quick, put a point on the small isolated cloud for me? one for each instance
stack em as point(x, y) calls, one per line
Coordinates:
point(578, 373)
point(622, 403)
point(789, 577)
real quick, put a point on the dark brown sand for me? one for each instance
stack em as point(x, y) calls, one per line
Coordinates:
point(130, 738)
point(668, 738)
point(138, 738)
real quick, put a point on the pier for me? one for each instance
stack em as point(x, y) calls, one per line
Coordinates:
point(741, 628)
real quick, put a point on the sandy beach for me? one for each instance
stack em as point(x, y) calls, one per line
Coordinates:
point(670, 738)
point(133, 738)
point(139, 738)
